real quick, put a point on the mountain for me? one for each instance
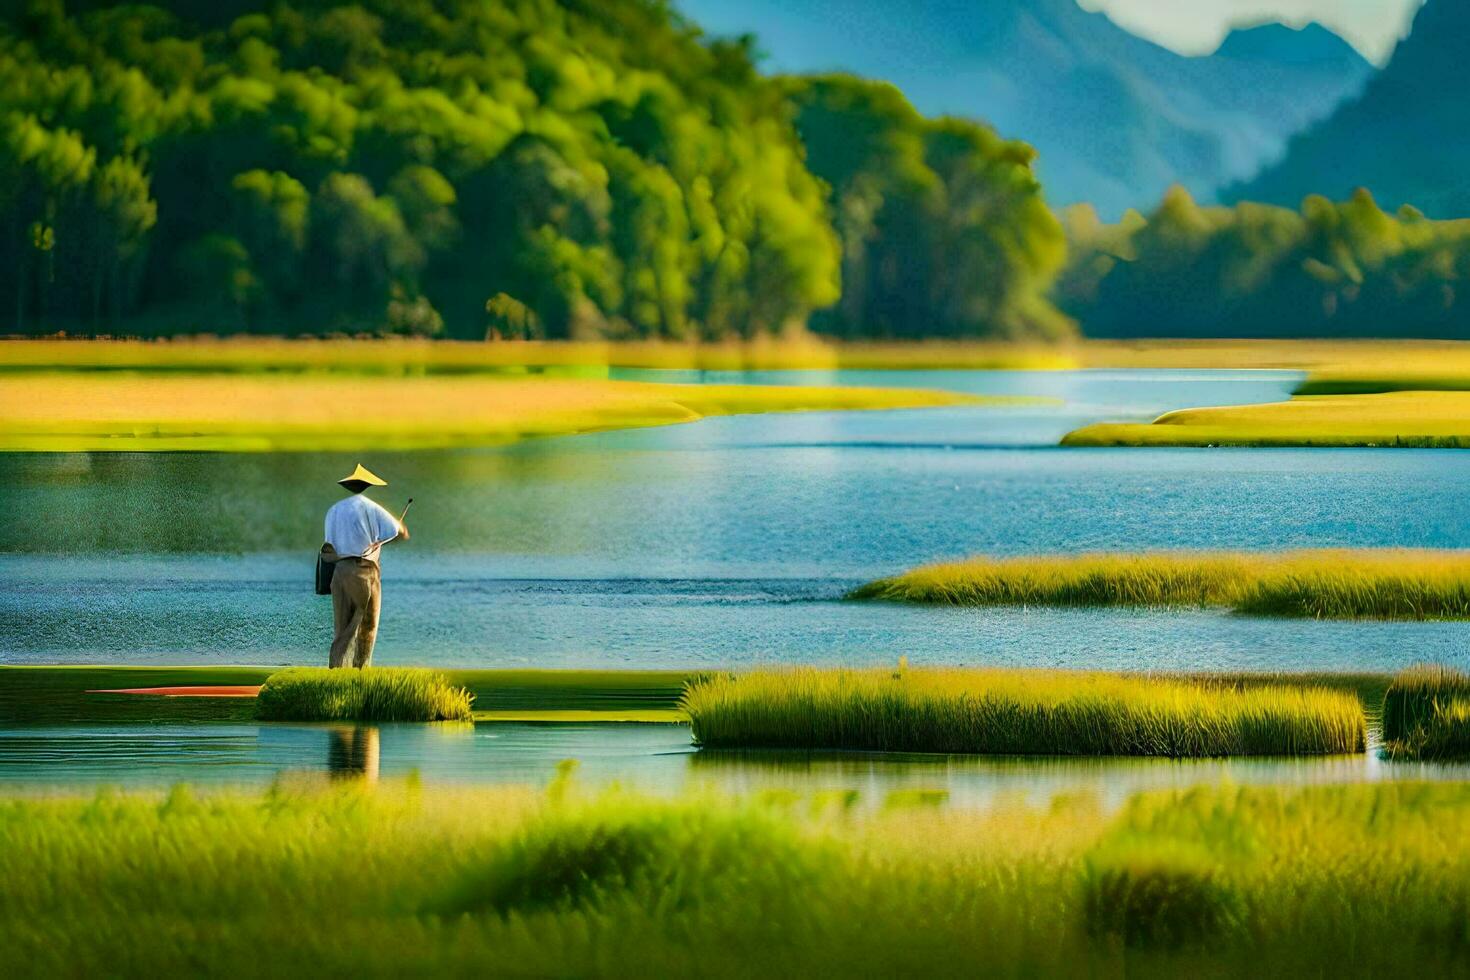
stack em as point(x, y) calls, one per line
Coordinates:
point(1116, 119)
point(1404, 138)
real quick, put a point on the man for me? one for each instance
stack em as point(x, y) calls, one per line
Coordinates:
point(356, 529)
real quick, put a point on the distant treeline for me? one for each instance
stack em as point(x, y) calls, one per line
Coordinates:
point(461, 167)
point(1331, 270)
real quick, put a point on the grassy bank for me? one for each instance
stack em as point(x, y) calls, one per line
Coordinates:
point(248, 355)
point(59, 695)
point(90, 411)
point(1344, 584)
point(1327, 359)
point(1363, 880)
point(379, 694)
point(1405, 419)
point(1010, 712)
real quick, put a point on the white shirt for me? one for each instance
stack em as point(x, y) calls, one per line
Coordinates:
point(358, 527)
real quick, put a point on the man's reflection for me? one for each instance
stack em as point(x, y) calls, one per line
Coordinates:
point(352, 753)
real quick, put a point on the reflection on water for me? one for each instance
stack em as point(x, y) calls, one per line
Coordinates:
point(353, 752)
point(652, 758)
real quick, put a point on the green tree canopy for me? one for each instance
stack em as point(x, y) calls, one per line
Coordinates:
point(392, 165)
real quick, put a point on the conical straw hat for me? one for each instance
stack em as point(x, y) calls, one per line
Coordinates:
point(363, 475)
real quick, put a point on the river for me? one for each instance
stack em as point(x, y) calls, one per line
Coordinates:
point(725, 542)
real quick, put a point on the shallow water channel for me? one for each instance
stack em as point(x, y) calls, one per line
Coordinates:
point(652, 758)
point(727, 542)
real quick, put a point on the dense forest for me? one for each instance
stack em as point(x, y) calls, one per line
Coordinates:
point(1330, 269)
point(468, 168)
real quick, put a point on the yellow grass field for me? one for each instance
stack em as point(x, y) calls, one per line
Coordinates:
point(91, 411)
point(1417, 419)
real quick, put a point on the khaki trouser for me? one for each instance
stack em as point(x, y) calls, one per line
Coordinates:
point(356, 591)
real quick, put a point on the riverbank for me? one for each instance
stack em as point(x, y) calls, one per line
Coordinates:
point(124, 411)
point(1337, 361)
point(415, 879)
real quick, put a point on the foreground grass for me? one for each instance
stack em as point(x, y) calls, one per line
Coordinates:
point(81, 411)
point(1406, 419)
point(1367, 880)
point(375, 694)
point(1014, 712)
point(1343, 584)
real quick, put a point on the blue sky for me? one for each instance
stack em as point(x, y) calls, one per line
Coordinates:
point(1195, 26)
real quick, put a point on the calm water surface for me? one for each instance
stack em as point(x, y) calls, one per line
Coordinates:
point(650, 758)
point(725, 542)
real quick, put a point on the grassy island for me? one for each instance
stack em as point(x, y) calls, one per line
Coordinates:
point(376, 694)
point(1008, 712)
point(1403, 419)
point(1358, 880)
point(1342, 584)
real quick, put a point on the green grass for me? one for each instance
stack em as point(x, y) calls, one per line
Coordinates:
point(1354, 881)
point(1013, 712)
point(1345, 584)
point(374, 694)
point(1426, 713)
point(59, 695)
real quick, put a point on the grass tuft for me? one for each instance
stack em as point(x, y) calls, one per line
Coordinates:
point(373, 694)
point(1019, 713)
point(1426, 713)
point(1162, 896)
point(1339, 584)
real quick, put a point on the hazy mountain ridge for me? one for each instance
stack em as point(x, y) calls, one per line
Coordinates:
point(1402, 139)
point(1116, 118)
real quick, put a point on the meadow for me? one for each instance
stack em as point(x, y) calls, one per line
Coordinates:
point(1329, 584)
point(1011, 712)
point(125, 411)
point(1362, 880)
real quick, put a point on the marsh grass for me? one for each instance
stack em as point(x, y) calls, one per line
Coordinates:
point(1426, 713)
point(373, 694)
point(1394, 419)
point(1359, 880)
point(1009, 712)
point(1341, 584)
